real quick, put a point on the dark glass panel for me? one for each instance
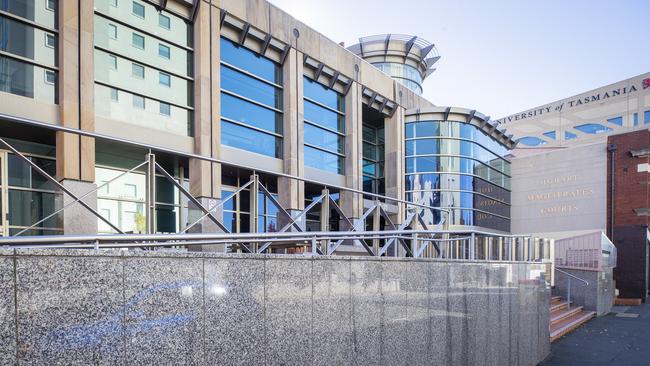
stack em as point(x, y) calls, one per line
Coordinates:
point(25, 208)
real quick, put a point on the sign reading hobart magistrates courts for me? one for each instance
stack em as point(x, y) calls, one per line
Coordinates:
point(557, 191)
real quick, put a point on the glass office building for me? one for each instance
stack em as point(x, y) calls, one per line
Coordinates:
point(457, 160)
point(218, 98)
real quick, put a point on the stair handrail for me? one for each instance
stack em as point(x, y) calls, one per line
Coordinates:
point(569, 275)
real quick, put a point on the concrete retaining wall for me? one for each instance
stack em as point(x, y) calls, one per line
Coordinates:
point(598, 296)
point(116, 307)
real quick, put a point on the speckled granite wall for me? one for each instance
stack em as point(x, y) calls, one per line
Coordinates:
point(119, 307)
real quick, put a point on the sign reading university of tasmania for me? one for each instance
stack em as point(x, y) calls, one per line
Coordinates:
point(600, 95)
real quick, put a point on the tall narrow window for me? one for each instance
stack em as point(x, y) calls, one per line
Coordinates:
point(114, 95)
point(138, 9)
point(251, 101)
point(112, 62)
point(324, 125)
point(112, 31)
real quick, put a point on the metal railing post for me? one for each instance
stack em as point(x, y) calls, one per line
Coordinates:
point(376, 224)
point(254, 207)
point(151, 194)
point(472, 248)
point(568, 296)
point(325, 218)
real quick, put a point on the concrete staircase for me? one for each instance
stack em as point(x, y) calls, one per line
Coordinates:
point(565, 318)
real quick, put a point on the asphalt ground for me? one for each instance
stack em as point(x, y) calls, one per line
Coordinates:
point(619, 338)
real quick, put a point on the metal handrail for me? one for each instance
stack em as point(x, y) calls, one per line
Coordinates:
point(28, 121)
point(314, 239)
point(574, 276)
point(569, 275)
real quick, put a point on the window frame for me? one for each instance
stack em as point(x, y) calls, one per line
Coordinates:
point(49, 36)
point(134, 36)
point(134, 65)
point(168, 108)
point(162, 74)
point(169, 51)
point(139, 97)
point(169, 21)
point(141, 6)
point(50, 72)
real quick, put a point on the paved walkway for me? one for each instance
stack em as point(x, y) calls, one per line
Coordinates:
point(620, 338)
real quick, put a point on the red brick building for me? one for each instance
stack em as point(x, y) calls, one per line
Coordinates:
point(628, 209)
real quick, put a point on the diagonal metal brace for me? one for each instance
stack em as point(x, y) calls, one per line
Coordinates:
point(355, 228)
point(340, 212)
point(402, 226)
point(59, 185)
point(189, 196)
point(393, 227)
point(96, 189)
point(293, 221)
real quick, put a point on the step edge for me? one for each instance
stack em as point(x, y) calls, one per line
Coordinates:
point(567, 313)
point(579, 321)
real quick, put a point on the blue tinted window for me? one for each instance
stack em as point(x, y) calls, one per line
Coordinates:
point(427, 146)
point(592, 128)
point(323, 95)
point(323, 138)
point(251, 114)
point(646, 117)
point(248, 139)
point(325, 161)
point(636, 119)
point(165, 109)
point(616, 121)
point(138, 9)
point(425, 129)
point(137, 41)
point(531, 141)
point(163, 51)
point(550, 134)
point(249, 87)
point(249, 61)
point(164, 79)
point(409, 148)
point(409, 130)
point(324, 117)
point(569, 135)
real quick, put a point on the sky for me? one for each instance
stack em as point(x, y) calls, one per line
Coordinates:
point(501, 57)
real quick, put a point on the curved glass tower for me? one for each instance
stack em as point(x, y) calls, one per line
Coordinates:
point(457, 159)
point(407, 59)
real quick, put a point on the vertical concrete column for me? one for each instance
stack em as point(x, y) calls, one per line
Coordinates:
point(75, 155)
point(394, 159)
point(291, 192)
point(352, 203)
point(205, 176)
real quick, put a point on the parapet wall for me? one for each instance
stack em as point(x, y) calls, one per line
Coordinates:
point(108, 307)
